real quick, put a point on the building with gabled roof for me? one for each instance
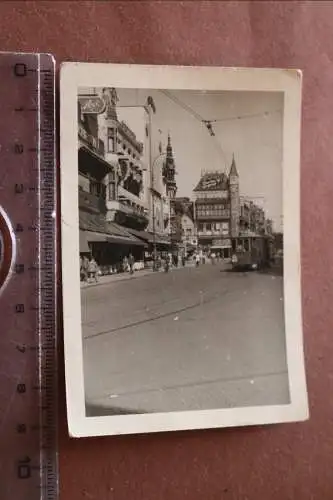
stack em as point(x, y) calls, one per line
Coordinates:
point(216, 210)
point(224, 220)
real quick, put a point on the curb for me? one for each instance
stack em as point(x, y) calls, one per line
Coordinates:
point(134, 277)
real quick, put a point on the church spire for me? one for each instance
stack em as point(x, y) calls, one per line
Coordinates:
point(169, 149)
point(233, 169)
point(170, 170)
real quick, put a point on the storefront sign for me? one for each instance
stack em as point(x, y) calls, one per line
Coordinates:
point(92, 105)
point(223, 243)
point(209, 183)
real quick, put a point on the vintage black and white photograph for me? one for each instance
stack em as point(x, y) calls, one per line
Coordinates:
point(179, 277)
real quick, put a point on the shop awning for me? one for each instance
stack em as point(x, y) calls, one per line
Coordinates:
point(149, 237)
point(97, 229)
point(143, 235)
point(92, 237)
point(125, 241)
point(120, 234)
point(95, 237)
point(84, 246)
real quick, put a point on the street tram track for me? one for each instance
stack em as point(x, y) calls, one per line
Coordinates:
point(195, 383)
point(202, 301)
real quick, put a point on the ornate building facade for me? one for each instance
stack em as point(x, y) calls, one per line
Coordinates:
point(110, 182)
point(216, 210)
point(226, 221)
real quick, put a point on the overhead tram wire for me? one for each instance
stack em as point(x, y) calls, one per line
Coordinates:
point(183, 105)
point(199, 118)
point(208, 123)
point(244, 117)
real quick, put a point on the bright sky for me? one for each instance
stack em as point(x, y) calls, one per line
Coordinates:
point(255, 141)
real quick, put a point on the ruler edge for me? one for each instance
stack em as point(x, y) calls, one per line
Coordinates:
point(39, 360)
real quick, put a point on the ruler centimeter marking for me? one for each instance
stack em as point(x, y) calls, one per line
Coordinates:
point(28, 255)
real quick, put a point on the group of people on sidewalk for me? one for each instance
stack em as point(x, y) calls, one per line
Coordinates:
point(89, 270)
point(128, 264)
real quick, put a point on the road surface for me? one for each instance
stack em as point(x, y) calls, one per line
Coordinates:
point(191, 339)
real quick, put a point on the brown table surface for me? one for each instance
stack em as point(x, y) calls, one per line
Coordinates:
point(292, 461)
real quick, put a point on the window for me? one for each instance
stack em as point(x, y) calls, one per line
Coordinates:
point(225, 228)
point(112, 140)
point(97, 188)
point(208, 227)
point(112, 191)
point(201, 227)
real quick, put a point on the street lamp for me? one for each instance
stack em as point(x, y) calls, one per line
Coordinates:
point(149, 107)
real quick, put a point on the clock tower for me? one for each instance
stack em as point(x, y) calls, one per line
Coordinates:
point(234, 200)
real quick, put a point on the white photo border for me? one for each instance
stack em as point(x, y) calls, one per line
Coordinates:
point(289, 81)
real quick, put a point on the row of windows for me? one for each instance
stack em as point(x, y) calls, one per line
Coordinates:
point(113, 142)
point(215, 226)
point(215, 213)
point(212, 194)
point(98, 189)
point(91, 186)
point(213, 206)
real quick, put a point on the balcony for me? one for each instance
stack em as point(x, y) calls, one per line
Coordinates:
point(124, 195)
point(119, 206)
point(94, 143)
point(123, 213)
point(91, 203)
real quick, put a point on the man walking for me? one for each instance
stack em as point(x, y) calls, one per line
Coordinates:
point(93, 270)
point(131, 263)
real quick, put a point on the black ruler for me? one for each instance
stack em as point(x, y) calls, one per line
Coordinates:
point(28, 256)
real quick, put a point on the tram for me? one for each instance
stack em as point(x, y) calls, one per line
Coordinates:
point(256, 256)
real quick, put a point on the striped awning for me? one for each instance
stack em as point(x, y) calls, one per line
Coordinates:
point(96, 230)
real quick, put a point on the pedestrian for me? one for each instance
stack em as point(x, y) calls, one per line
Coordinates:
point(212, 257)
point(131, 263)
point(85, 265)
point(183, 259)
point(93, 270)
point(167, 263)
point(197, 260)
point(125, 264)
